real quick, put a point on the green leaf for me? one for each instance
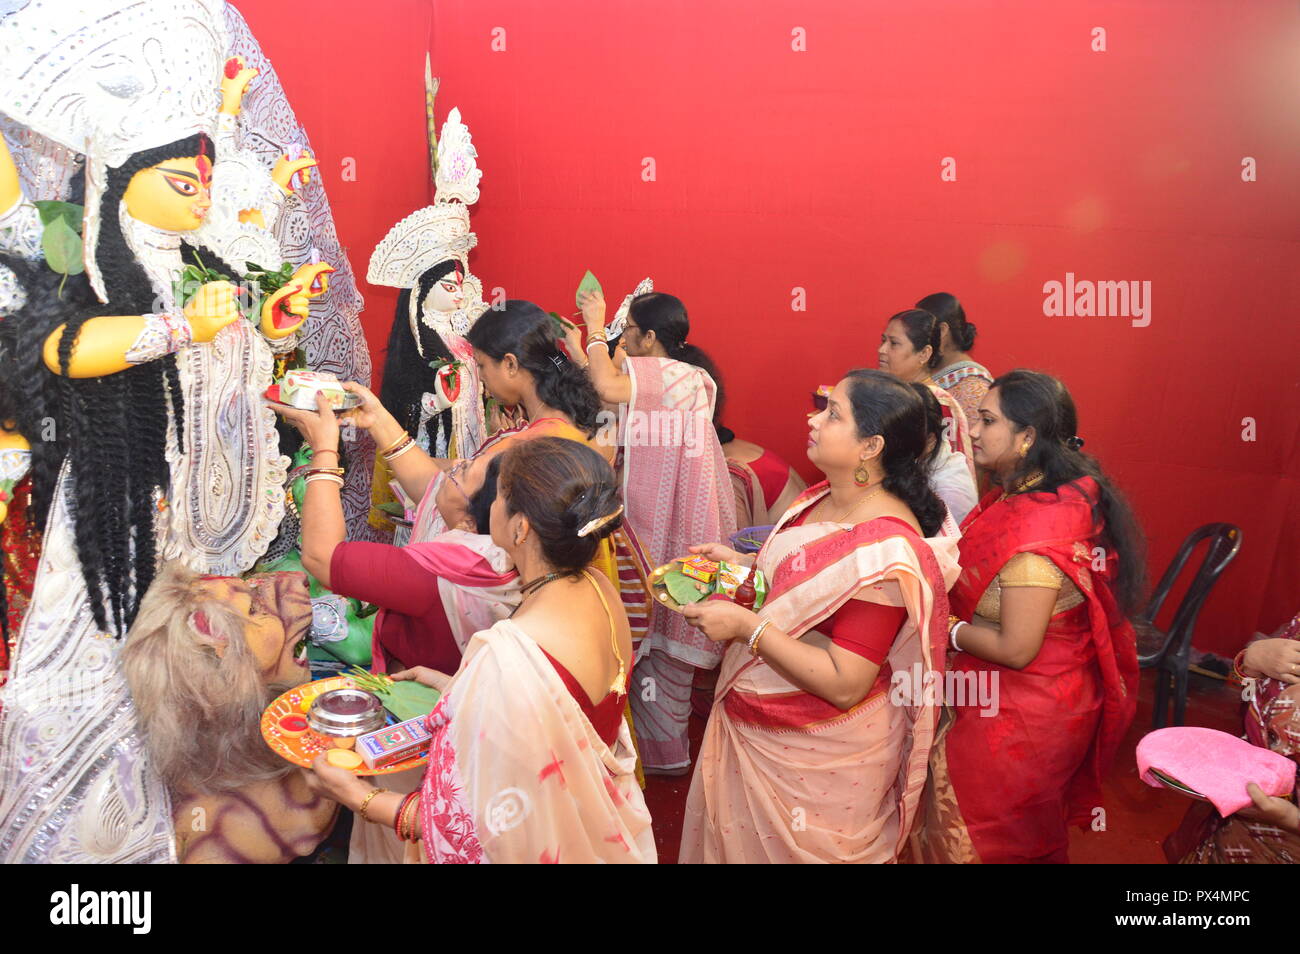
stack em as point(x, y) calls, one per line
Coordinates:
point(51, 210)
point(682, 588)
point(410, 700)
point(588, 284)
point(62, 247)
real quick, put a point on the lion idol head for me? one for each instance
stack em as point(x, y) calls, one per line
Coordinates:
point(204, 657)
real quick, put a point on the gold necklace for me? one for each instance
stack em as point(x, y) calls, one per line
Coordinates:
point(1023, 485)
point(840, 518)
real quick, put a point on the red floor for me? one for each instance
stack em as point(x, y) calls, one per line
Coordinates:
point(1138, 817)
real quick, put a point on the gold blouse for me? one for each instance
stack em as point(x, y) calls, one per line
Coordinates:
point(1028, 569)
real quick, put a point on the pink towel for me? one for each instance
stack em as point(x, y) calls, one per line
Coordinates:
point(1214, 763)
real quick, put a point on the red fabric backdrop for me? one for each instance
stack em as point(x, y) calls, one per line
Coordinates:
point(777, 169)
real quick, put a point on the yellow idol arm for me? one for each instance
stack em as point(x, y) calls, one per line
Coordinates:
point(101, 346)
point(10, 191)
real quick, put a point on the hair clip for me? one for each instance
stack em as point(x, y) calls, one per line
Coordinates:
point(1074, 443)
point(594, 525)
point(558, 362)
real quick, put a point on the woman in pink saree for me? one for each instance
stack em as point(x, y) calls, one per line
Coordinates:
point(677, 489)
point(827, 701)
point(531, 760)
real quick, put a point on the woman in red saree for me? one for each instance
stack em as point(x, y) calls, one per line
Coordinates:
point(909, 350)
point(1051, 561)
point(817, 744)
point(530, 760)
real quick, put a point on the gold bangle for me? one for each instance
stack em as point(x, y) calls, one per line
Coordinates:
point(758, 634)
point(412, 821)
point(365, 802)
point(332, 478)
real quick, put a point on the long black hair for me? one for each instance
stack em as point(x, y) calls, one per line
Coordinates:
point(884, 405)
point(112, 430)
point(933, 424)
point(947, 310)
point(407, 376)
point(524, 330)
point(922, 329)
point(1037, 400)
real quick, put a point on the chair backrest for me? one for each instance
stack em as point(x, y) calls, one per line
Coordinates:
point(1225, 541)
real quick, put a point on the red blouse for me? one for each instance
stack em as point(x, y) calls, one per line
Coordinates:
point(605, 715)
point(773, 474)
point(867, 629)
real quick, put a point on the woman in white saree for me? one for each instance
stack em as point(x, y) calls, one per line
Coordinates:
point(531, 759)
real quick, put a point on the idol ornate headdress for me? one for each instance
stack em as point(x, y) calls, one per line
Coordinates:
point(620, 317)
point(440, 231)
point(111, 78)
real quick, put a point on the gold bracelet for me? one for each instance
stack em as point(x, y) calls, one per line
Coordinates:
point(365, 802)
point(756, 636)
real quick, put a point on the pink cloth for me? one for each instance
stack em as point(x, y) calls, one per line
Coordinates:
point(1215, 764)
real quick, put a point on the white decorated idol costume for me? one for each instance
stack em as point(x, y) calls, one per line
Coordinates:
point(78, 786)
point(434, 239)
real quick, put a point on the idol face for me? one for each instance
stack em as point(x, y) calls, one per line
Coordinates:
point(173, 195)
point(897, 356)
point(277, 610)
point(447, 293)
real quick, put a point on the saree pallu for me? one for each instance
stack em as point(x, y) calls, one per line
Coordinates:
point(752, 509)
point(676, 487)
point(967, 382)
point(1205, 837)
point(517, 773)
point(956, 425)
point(1004, 788)
point(784, 776)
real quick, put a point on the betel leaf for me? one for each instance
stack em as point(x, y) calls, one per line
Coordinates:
point(51, 210)
point(683, 589)
point(62, 248)
point(588, 284)
point(410, 700)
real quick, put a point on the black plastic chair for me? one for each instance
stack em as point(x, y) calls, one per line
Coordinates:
point(1168, 652)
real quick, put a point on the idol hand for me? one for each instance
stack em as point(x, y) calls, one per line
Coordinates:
point(276, 324)
point(285, 169)
point(234, 84)
point(211, 309)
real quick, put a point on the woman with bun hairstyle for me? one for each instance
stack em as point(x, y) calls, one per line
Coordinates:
point(909, 350)
point(1052, 564)
point(531, 761)
point(820, 714)
point(965, 379)
point(678, 493)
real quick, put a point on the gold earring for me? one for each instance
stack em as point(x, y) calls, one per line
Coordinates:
point(1024, 449)
point(861, 476)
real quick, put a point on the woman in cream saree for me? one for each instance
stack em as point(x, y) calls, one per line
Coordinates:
point(794, 768)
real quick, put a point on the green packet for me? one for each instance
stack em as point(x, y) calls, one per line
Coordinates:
point(731, 576)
